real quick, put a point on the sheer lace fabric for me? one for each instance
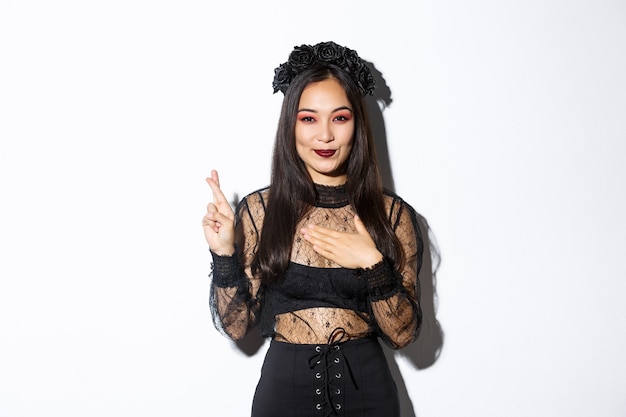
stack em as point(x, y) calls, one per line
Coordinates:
point(319, 299)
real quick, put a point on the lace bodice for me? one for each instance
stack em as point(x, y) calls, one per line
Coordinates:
point(317, 296)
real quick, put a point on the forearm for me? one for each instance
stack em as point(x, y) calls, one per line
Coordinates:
point(396, 311)
point(231, 300)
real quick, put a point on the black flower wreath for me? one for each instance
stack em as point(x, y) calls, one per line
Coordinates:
point(305, 56)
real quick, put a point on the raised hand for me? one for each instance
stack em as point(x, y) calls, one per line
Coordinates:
point(219, 221)
point(349, 250)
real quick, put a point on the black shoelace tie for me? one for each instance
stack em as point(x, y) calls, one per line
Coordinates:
point(326, 356)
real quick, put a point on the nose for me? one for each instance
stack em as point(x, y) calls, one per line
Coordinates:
point(326, 133)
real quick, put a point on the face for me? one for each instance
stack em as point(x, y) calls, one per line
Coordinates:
point(324, 131)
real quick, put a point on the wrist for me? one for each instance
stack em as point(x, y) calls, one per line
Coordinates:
point(225, 270)
point(228, 250)
point(372, 260)
point(381, 279)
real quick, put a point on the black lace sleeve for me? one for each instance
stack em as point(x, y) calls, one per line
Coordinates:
point(236, 296)
point(394, 292)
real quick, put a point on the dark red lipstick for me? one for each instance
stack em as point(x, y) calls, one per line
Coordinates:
point(325, 153)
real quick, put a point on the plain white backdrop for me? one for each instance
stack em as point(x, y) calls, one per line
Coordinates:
point(506, 131)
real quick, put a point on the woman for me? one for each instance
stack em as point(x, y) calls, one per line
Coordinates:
point(323, 260)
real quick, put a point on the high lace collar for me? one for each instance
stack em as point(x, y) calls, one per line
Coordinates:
point(331, 196)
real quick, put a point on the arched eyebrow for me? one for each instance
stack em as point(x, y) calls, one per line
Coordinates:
point(334, 111)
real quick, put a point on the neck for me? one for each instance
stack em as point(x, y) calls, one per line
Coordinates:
point(331, 195)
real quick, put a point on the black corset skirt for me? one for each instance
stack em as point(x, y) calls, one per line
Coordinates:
point(347, 379)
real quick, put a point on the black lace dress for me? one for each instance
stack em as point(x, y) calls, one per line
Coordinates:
point(324, 320)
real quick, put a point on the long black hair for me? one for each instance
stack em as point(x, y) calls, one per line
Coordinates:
point(292, 192)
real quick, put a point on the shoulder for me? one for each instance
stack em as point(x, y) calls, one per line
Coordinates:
point(255, 199)
point(251, 208)
point(398, 209)
point(394, 202)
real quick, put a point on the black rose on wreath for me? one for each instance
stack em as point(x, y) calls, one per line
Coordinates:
point(282, 77)
point(329, 52)
point(301, 58)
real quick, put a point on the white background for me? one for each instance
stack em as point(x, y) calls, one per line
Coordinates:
point(506, 132)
